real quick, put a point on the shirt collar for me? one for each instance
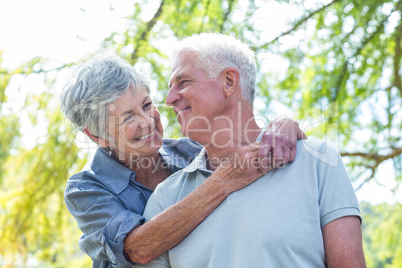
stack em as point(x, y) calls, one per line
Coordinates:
point(260, 135)
point(117, 176)
point(200, 162)
point(173, 153)
point(111, 172)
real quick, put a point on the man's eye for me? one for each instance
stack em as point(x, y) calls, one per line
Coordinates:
point(182, 82)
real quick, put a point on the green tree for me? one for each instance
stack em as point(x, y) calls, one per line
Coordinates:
point(348, 65)
point(33, 217)
point(344, 68)
point(342, 79)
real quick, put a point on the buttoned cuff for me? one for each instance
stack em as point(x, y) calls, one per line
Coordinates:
point(113, 234)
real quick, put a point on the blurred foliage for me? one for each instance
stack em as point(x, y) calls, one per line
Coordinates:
point(382, 225)
point(342, 80)
point(34, 220)
point(347, 66)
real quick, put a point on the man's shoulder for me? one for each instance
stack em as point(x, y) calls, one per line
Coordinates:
point(166, 194)
point(311, 142)
point(317, 150)
point(315, 145)
point(176, 187)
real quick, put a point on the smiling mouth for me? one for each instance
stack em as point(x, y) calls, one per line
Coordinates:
point(182, 111)
point(146, 136)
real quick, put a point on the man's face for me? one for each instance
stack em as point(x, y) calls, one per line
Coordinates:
point(196, 98)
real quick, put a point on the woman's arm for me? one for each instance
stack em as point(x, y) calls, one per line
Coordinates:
point(102, 217)
point(146, 242)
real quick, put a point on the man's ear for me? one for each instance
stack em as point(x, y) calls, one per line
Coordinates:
point(102, 142)
point(231, 81)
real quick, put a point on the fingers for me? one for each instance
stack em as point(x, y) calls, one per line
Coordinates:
point(283, 133)
point(258, 158)
point(301, 135)
point(264, 153)
point(278, 148)
point(276, 151)
point(286, 155)
point(239, 169)
point(247, 156)
point(273, 151)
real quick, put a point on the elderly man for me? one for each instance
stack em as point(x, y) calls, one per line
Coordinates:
point(304, 215)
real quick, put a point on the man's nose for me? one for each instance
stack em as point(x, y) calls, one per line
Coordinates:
point(172, 96)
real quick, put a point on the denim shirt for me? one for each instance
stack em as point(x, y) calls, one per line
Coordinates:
point(108, 203)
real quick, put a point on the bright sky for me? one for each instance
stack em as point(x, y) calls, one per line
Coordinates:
point(61, 30)
point(66, 30)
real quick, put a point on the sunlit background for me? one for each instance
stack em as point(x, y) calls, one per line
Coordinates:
point(68, 31)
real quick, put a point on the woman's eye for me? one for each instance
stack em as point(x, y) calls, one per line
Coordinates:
point(147, 105)
point(128, 118)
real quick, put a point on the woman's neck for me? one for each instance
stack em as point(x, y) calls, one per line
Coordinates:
point(150, 170)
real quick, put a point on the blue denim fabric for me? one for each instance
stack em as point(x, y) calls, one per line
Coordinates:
point(108, 203)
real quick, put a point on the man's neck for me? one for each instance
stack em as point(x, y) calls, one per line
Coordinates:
point(226, 143)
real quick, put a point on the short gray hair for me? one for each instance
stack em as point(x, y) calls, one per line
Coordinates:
point(215, 52)
point(94, 86)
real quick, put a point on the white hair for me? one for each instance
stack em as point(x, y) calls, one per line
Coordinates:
point(95, 85)
point(215, 52)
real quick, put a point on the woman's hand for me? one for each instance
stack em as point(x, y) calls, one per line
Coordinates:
point(279, 143)
point(239, 169)
point(168, 227)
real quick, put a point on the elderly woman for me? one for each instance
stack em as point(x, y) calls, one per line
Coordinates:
point(109, 101)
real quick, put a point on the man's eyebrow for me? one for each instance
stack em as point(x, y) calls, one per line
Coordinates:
point(179, 77)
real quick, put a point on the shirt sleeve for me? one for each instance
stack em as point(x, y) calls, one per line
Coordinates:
point(155, 206)
point(337, 197)
point(103, 219)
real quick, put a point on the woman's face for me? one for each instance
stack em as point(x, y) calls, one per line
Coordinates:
point(135, 125)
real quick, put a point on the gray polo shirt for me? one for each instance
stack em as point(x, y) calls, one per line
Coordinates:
point(274, 222)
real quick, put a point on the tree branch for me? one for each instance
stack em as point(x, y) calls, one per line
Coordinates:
point(225, 17)
point(398, 54)
point(377, 158)
point(45, 71)
point(298, 24)
point(145, 34)
point(205, 13)
point(357, 52)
